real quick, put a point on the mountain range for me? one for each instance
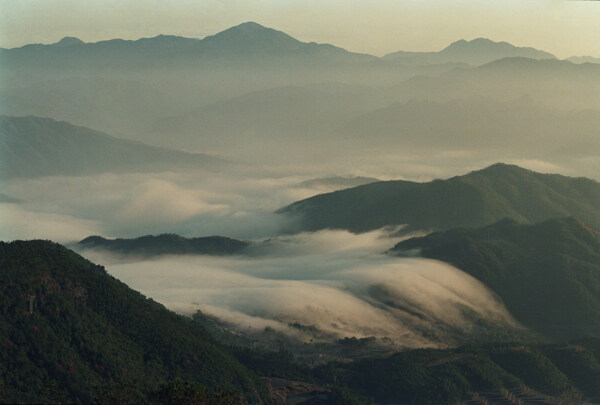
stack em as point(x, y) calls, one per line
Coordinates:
point(475, 52)
point(476, 199)
point(248, 42)
point(72, 333)
point(251, 41)
point(274, 115)
point(403, 116)
point(478, 123)
point(249, 81)
point(33, 147)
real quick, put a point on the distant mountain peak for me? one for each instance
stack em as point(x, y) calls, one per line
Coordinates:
point(163, 40)
point(500, 169)
point(503, 166)
point(167, 37)
point(487, 41)
point(498, 49)
point(478, 44)
point(476, 41)
point(239, 46)
point(249, 26)
point(477, 51)
point(252, 35)
point(69, 41)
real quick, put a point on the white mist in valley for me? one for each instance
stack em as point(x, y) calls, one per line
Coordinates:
point(69, 208)
point(238, 203)
point(334, 282)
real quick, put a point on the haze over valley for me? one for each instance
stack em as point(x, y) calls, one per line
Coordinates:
point(293, 212)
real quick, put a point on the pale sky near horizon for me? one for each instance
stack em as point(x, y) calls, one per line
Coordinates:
point(562, 27)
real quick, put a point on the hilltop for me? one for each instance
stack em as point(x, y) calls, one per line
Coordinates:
point(473, 200)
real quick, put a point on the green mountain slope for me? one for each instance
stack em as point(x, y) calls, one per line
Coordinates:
point(476, 199)
point(497, 374)
point(547, 274)
point(165, 244)
point(86, 330)
point(32, 147)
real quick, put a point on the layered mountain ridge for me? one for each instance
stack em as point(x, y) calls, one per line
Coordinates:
point(32, 147)
point(476, 199)
point(247, 41)
point(475, 52)
point(252, 39)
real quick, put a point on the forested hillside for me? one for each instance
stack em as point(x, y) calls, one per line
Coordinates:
point(476, 199)
point(69, 330)
point(547, 274)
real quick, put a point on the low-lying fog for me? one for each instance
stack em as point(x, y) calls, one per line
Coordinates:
point(340, 283)
point(237, 203)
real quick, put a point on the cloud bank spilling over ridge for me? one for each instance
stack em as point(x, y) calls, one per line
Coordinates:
point(337, 282)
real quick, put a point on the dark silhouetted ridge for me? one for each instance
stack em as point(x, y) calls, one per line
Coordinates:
point(548, 274)
point(476, 199)
point(239, 46)
point(251, 37)
point(166, 244)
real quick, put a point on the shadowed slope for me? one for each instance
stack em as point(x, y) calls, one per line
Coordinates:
point(476, 199)
point(548, 274)
point(86, 328)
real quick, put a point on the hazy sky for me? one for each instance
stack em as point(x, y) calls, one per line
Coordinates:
point(564, 28)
